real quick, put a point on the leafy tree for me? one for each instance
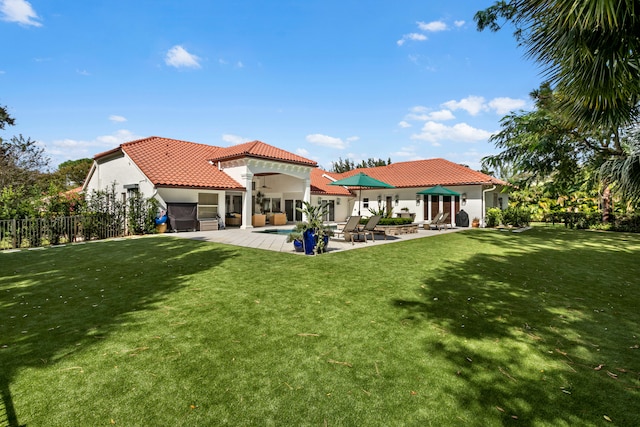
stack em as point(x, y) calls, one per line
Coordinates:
point(589, 51)
point(623, 171)
point(342, 165)
point(22, 162)
point(346, 165)
point(543, 145)
point(372, 163)
point(72, 173)
point(5, 118)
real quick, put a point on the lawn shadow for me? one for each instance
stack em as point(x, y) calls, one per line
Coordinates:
point(58, 301)
point(546, 332)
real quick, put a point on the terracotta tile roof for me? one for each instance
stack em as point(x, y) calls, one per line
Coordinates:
point(320, 184)
point(260, 150)
point(425, 173)
point(174, 163)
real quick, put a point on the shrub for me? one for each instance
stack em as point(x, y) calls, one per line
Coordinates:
point(516, 217)
point(494, 217)
point(579, 220)
point(395, 221)
point(141, 214)
point(627, 223)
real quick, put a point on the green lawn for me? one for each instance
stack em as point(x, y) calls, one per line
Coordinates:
point(474, 328)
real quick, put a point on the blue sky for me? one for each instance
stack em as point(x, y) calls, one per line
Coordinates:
point(322, 78)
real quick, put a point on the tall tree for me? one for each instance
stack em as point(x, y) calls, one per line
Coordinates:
point(623, 171)
point(545, 145)
point(22, 162)
point(589, 50)
point(5, 118)
point(72, 173)
point(346, 165)
point(342, 165)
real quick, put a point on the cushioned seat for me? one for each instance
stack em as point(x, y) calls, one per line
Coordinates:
point(233, 219)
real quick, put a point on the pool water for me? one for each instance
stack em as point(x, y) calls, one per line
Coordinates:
point(284, 231)
point(275, 231)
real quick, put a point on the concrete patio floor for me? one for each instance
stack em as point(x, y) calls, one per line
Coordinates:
point(252, 238)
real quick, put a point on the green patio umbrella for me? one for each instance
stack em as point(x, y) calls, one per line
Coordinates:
point(439, 190)
point(361, 180)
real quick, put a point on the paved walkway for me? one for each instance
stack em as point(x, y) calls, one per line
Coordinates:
point(252, 238)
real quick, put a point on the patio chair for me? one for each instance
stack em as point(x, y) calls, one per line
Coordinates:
point(349, 229)
point(433, 222)
point(442, 222)
point(370, 228)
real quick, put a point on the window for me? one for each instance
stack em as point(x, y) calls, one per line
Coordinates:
point(365, 202)
point(207, 206)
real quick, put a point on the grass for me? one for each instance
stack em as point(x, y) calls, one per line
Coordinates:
point(475, 328)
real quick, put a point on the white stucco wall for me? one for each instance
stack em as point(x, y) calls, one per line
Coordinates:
point(472, 204)
point(120, 171)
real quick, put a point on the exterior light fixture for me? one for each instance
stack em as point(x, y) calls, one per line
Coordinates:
point(338, 201)
point(379, 198)
point(417, 200)
point(397, 199)
point(319, 200)
point(464, 199)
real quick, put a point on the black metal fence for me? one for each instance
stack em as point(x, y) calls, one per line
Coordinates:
point(38, 232)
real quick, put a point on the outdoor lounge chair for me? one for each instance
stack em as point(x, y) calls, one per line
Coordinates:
point(442, 222)
point(370, 228)
point(433, 222)
point(350, 228)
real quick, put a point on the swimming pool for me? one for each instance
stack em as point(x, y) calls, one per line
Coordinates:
point(275, 231)
point(286, 231)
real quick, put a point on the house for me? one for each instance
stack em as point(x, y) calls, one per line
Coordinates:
point(253, 181)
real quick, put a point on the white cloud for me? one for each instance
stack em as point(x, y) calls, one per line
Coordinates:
point(404, 124)
point(326, 141)
point(433, 26)
point(302, 152)
point(419, 109)
point(459, 23)
point(83, 72)
point(178, 57)
point(438, 116)
point(19, 11)
point(117, 119)
point(471, 104)
point(461, 132)
point(405, 152)
point(505, 105)
point(72, 149)
point(117, 138)
point(412, 36)
point(353, 138)
point(234, 139)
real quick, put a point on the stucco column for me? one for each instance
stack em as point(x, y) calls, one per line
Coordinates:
point(306, 190)
point(246, 202)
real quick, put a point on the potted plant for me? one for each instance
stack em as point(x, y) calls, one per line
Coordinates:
point(475, 222)
point(315, 235)
point(296, 237)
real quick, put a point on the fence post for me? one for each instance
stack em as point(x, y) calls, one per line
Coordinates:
point(14, 236)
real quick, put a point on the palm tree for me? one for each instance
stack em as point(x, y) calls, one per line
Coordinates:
point(624, 171)
point(588, 48)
